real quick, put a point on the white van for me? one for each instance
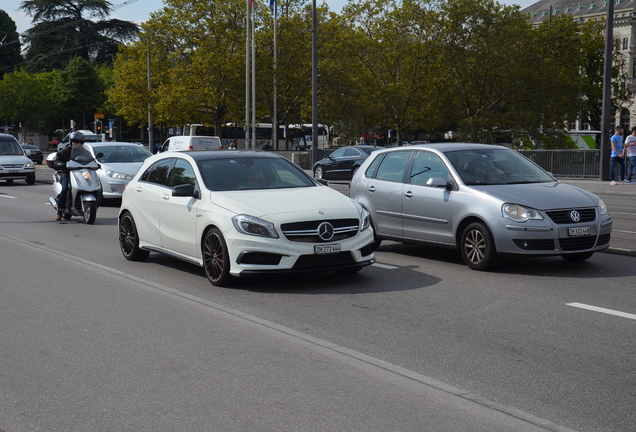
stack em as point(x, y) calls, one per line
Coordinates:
point(182, 143)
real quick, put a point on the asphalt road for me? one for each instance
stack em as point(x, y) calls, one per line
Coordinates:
point(416, 342)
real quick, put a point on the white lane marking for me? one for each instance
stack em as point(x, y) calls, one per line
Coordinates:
point(6, 196)
point(622, 231)
point(384, 266)
point(603, 310)
point(624, 213)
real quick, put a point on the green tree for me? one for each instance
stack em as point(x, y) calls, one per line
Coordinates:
point(80, 91)
point(29, 98)
point(197, 54)
point(9, 44)
point(393, 55)
point(64, 29)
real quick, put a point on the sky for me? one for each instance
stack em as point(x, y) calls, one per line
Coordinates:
point(139, 10)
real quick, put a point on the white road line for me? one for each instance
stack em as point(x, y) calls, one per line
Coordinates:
point(603, 310)
point(384, 266)
point(7, 196)
point(624, 213)
point(623, 231)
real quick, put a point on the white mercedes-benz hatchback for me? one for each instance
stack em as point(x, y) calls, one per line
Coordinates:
point(240, 213)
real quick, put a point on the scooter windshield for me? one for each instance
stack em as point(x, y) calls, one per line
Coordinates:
point(81, 155)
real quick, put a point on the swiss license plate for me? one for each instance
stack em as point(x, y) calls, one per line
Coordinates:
point(578, 231)
point(13, 171)
point(327, 249)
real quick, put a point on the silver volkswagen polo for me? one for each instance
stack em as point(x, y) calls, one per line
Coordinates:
point(486, 201)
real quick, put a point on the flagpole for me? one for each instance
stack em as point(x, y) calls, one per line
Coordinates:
point(275, 114)
point(253, 75)
point(247, 73)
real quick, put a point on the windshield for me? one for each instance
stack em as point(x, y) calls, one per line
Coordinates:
point(121, 154)
point(81, 154)
point(496, 166)
point(10, 148)
point(252, 173)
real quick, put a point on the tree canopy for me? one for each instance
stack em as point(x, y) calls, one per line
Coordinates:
point(64, 29)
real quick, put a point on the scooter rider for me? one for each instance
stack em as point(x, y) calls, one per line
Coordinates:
point(63, 156)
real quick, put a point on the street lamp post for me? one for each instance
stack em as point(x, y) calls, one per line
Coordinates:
point(314, 86)
point(607, 93)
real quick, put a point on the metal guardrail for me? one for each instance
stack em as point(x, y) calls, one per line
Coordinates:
point(581, 164)
point(573, 164)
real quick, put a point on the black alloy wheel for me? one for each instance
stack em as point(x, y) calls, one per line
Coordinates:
point(216, 260)
point(129, 239)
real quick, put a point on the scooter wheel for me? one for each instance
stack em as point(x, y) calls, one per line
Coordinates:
point(90, 213)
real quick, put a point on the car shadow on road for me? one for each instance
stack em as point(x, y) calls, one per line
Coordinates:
point(370, 279)
point(553, 266)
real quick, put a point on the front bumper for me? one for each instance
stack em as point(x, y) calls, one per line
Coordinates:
point(252, 256)
point(544, 238)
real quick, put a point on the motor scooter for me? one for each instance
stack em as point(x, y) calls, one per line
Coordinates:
point(84, 186)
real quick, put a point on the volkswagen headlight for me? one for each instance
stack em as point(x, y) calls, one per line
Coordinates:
point(254, 226)
point(519, 213)
point(602, 208)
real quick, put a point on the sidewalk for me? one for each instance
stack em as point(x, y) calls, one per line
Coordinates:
point(602, 187)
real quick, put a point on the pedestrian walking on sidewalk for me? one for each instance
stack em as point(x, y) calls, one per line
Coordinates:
point(630, 152)
point(618, 156)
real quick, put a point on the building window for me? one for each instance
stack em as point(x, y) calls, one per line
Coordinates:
point(572, 125)
point(613, 121)
point(625, 119)
point(625, 43)
point(634, 68)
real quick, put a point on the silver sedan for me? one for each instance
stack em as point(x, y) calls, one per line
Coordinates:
point(119, 163)
point(486, 201)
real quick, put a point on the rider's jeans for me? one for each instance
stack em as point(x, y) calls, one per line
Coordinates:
point(61, 198)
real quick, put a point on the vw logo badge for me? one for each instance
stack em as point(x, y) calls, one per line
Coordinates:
point(575, 216)
point(325, 231)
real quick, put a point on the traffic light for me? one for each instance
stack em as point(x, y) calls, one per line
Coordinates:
point(98, 127)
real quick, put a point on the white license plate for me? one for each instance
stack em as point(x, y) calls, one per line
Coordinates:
point(13, 171)
point(579, 231)
point(327, 249)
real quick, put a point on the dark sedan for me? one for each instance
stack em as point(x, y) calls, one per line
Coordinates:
point(343, 163)
point(33, 152)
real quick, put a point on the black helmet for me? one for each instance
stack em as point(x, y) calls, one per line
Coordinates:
point(76, 136)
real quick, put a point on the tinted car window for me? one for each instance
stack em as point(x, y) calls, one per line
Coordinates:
point(393, 166)
point(181, 173)
point(235, 174)
point(338, 153)
point(158, 172)
point(352, 152)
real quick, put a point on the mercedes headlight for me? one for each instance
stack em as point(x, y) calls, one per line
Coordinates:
point(364, 219)
point(519, 213)
point(254, 226)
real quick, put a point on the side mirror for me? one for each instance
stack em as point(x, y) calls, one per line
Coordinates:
point(185, 190)
point(437, 182)
point(323, 182)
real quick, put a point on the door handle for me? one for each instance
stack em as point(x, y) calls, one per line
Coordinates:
point(165, 196)
point(371, 188)
point(408, 194)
